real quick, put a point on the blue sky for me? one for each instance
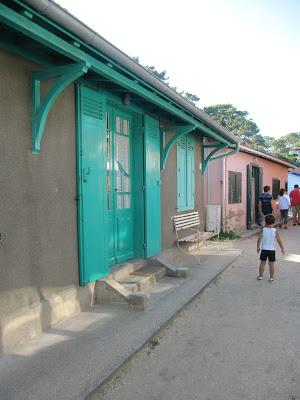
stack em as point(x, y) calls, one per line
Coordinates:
point(244, 52)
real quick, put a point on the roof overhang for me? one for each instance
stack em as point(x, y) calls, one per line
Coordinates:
point(46, 23)
point(257, 153)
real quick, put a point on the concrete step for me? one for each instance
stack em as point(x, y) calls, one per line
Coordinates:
point(119, 271)
point(136, 283)
point(132, 283)
point(154, 272)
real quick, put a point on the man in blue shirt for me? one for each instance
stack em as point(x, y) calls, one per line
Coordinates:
point(265, 202)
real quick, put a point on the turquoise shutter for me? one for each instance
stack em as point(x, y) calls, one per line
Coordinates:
point(190, 172)
point(181, 173)
point(152, 187)
point(91, 178)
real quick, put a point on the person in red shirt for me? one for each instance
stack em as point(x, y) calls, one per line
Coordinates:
point(295, 203)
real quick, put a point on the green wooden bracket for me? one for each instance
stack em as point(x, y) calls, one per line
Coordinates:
point(180, 130)
point(215, 148)
point(224, 155)
point(40, 107)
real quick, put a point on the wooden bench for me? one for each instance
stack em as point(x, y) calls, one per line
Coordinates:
point(191, 222)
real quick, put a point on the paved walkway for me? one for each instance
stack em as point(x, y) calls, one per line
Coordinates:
point(239, 340)
point(73, 358)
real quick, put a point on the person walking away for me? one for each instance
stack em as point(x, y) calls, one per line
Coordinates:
point(283, 205)
point(295, 203)
point(265, 202)
point(266, 243)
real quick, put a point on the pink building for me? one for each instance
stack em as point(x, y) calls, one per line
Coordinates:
point(236, 182)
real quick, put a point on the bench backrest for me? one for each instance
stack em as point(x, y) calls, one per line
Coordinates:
point(186, 221)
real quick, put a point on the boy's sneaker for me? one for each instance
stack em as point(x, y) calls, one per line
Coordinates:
point(271, 280)
point(259, 278)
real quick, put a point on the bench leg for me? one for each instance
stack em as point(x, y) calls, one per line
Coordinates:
point(188, 253)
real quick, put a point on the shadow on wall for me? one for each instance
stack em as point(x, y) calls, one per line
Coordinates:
point(28, 322)
point(23, 366)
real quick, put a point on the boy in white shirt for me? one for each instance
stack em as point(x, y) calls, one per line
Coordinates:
point(267, 239)
point(283, 205)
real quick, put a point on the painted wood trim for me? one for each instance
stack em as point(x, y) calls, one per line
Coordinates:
point(41, 107)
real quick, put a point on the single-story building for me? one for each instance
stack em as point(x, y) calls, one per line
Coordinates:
point(97, 156)
point(234, 184)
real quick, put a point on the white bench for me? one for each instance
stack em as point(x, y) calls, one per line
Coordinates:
point(191, 222)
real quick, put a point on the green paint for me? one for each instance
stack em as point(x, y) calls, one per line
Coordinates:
point(178, 132)
point(152, 186)
point(138, 185)
point(41, 107)
point(185, 173)
point(120, 215)
point(217, 147)
point(91, 179)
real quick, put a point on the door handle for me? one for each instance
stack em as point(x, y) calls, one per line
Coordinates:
point(85, 173)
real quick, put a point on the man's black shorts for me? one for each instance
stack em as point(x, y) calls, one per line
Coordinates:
point(268, 254)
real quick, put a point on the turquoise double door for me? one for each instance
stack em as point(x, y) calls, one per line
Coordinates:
point(118, 186)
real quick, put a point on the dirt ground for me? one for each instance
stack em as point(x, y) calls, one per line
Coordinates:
point(238, 340)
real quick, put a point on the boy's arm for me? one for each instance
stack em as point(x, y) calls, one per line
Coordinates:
point(279, 241)
point(258, 242)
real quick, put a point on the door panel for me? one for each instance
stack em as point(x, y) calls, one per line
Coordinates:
point(91, 179)
point(152, 187)
point(123, 194)
point(119, 187)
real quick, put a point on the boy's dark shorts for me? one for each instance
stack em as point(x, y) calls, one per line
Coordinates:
point(267, 254)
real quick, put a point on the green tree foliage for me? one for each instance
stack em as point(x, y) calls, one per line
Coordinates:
point(192, 98)
point(235, 121)
point(283, 146)
point(162, 75)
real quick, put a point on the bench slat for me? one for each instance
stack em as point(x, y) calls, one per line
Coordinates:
point(186, 226)
point(180, 217)
point(186, 215)
point(183, 221)
point(179, 221)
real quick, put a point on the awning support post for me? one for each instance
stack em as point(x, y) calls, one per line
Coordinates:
point(212, 155)
point(40, 107)
point(179, 130)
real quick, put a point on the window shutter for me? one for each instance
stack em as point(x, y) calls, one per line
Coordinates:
point(231, 179)
point(190, 172)
point(238, 188)
point(181, 173)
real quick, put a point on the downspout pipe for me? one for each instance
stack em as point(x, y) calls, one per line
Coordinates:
point(65, 19)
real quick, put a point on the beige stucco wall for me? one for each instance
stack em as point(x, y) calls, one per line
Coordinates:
point(38, 216)
point(38, 247)
point(169, 192)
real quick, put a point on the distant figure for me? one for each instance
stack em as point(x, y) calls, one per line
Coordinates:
point(266, 239)
point(265, 202)
point(295, 202)
point(284, 205)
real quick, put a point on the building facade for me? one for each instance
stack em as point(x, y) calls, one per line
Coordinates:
point(97, 156)
point(236, 183)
